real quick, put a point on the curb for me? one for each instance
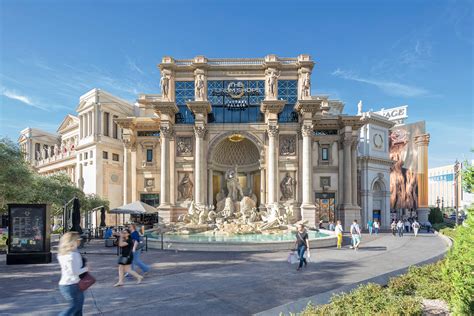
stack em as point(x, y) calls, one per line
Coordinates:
point(324, 298)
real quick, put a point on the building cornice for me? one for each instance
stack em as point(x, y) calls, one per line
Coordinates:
point(381, 161)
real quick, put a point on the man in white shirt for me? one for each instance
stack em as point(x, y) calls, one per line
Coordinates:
point(355, 234)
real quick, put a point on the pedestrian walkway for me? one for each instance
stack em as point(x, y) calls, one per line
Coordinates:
point(217, 283)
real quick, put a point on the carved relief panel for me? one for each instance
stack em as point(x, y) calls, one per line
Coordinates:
point(287, 145)
point(184, 146)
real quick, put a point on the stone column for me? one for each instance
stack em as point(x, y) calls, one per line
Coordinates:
point(93, 122)
point(354, 172)
point(308, 210)
point(81, 126)
point(133, 169)
point(90, 122)
point(422, 142)
point(165, 134)
point(347, 184)
point(126, 170)
point(199, 170)
point(210, 187)
point(263, 187)
point(272, 132)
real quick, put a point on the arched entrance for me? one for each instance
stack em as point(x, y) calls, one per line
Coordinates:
point(378, 204)
point(236, 152)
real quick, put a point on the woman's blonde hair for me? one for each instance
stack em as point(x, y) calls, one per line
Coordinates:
point(68, 243)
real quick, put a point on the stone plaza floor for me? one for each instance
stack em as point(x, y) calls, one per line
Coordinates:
point(215, 283)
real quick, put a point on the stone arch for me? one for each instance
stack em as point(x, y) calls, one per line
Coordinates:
point(247, 135)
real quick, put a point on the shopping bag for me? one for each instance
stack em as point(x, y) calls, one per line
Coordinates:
point(307, 256)
point(292, 258)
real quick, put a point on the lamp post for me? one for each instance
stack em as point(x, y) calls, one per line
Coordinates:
point(456, 179)
point(437, 201)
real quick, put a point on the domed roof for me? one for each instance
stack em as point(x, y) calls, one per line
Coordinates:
point(239, 153)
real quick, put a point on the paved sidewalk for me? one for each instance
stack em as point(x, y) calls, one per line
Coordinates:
point(200, 283)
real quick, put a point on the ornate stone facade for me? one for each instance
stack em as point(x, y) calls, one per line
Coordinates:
point(255, 117)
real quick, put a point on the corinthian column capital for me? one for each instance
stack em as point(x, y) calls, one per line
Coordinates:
point(200, 131)
point(273, 130)
point(166, 131)
point(307, 130)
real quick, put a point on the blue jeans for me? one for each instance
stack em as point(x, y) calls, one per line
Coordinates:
point(376, 231)
point(138, 262)
point(301, 250)
point(370, 230)
point(74, 297)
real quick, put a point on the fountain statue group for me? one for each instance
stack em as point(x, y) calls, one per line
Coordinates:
point(236, 212)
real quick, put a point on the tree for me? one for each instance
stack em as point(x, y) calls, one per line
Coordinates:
point(468, 176)
point(16, 176)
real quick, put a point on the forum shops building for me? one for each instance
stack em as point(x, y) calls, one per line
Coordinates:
point(251, 119)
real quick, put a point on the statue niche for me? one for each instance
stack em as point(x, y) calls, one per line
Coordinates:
point(185, 188)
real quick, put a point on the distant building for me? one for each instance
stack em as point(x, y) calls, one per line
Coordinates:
point(442, 188)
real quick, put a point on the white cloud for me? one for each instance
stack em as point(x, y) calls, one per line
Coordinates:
point(11, 94)
point(389, 87)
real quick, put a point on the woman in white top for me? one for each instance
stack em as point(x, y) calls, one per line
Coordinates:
point(376, 226)
point(71, 267)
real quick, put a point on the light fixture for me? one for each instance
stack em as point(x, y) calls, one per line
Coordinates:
point(236, 138)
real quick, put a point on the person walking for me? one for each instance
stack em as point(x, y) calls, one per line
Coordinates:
point(393, 227)
point(376, 227)
point(137, 251)
point(370, 225)
point(400, 228)
point(355, 234)
point(126, 258)
point(407, 226)
point(72, 267)
point(416, 227)
point(338, 229)
point(302, 244)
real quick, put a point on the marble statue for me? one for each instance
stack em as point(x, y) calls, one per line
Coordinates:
point(233, 185)
point(306, 88)
point(185, 188)
point(359, 108)
point(246, 206)
point(228, 210)
point(199, 86)
point(287, 185)
point(165, 86)
point(272, 82)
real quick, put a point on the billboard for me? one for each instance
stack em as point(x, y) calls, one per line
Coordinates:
point(403, 172)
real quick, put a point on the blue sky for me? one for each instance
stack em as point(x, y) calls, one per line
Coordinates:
point(385, 53)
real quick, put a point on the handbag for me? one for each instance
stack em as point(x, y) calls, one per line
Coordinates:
point(86, 281)
point(292, 257)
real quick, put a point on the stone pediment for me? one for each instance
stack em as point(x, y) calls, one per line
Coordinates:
point(69, 122)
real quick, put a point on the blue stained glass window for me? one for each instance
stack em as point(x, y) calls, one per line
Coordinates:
point(184, 91)
point(288, 90)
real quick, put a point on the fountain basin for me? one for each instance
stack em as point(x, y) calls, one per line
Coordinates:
point(215, 241)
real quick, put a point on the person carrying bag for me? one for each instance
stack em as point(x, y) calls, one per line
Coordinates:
point(126, 257)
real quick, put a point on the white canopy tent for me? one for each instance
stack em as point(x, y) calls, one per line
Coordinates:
point(134, 208)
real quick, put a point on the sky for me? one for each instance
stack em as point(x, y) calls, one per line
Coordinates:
point(385, 53)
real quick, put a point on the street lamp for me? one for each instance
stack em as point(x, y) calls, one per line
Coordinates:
point(456, 179)
point(437, 201)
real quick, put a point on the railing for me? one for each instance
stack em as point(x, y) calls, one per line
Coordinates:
point(55, 158)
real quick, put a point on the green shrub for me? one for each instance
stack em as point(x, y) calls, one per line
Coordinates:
point(440, 226)
point(459, 267)
point(369, 299)
point(422, 281)
point(436, 216)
